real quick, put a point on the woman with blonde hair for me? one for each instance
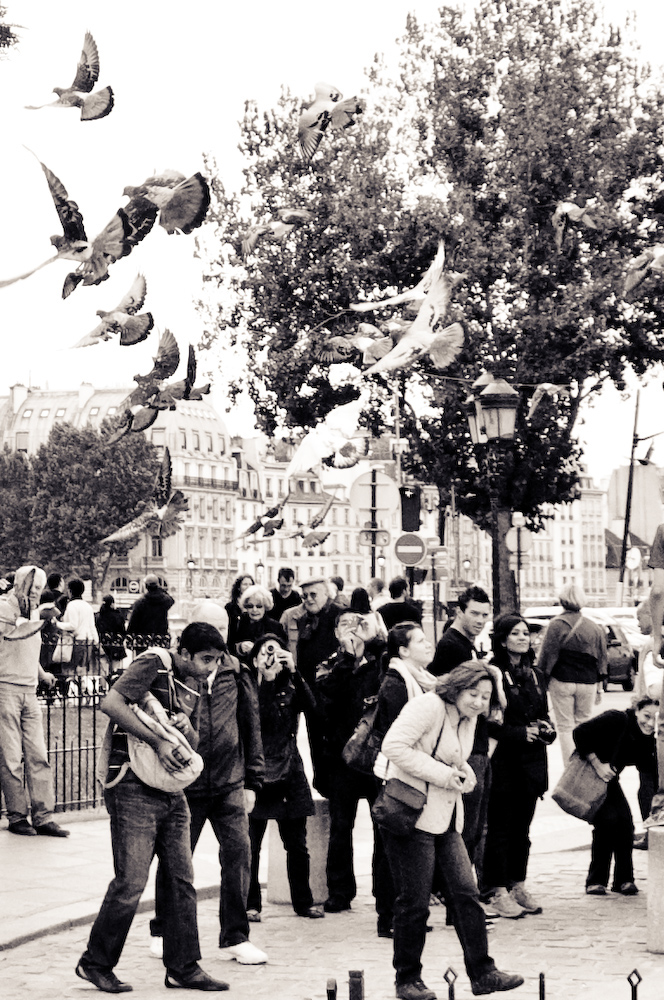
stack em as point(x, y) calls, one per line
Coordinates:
point(254, 604)
point(573, 660)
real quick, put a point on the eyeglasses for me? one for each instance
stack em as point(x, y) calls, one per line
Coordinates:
point(248, 606)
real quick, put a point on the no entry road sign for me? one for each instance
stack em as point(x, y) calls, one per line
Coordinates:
point(410, 549)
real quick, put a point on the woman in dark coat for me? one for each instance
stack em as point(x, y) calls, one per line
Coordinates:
point(233, 608)
point(612, 741)
point(519, 769)
point(111, 628)
point(254, 604)
point(285, 795)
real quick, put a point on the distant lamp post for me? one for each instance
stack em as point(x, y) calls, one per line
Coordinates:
point(466, 564)
point(380, 562)
point(491, 415)
point(259, 570)
point(191, 566)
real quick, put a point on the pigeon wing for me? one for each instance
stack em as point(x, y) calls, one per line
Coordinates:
point(295, 216)
point(136, 329)
point(100, 332)
point(68, 211)
point(162, 487)
point(310, 132)
point(144, 419)
point(187, 207)
point(168, 357)
point(446, 345)
point(134, 300)
point(249, 240)
point(343, 113)
point(97, 105)
point(376, 350)
point(87, 70)
point(337, 349)
point(133, 528)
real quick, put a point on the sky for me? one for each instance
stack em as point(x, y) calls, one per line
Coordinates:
point(181, 75)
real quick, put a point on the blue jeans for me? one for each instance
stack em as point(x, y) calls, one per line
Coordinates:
point(145, 822)
point(412, 860)
point(22, 749)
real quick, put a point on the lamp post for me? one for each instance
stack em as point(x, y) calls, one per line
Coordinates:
point(191, 566)
point(491, 415)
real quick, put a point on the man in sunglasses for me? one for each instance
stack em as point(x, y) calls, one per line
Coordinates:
point(343, 682)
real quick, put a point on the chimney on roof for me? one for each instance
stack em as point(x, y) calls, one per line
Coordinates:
point(86, 391)
point(17, 396)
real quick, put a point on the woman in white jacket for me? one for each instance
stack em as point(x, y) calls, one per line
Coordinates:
point(428, 747)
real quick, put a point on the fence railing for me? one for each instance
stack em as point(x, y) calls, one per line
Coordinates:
point(73, 725)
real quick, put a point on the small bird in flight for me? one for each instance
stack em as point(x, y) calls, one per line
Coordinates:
point(163, 514)
point(286, 221)
point(182, 201)
point(649, 260)
point(123, 319)
point(542, 390)
point(431, 275)
point(326, 110)
point(371, 343)
point(79, 94)
point(566, 212)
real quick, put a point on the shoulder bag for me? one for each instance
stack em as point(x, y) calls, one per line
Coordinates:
point(362, 748)
point(580, 790)
point(398, 805)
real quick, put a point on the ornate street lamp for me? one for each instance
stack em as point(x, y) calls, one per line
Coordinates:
point(491, 415)
point(191, 566)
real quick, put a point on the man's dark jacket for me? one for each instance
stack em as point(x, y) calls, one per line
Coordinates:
point(149, 615)
point(316, 639)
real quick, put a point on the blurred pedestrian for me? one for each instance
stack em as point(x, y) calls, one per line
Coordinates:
point(233, 611)
point(359, 601)
point(284, 595)
point(148, 618)
point(80, 615)
point(111, 628)
point(400, 608)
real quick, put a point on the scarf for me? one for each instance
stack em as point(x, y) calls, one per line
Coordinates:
point(418, 680)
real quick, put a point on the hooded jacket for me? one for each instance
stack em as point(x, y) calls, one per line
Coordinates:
point(149, 615)
point(19, 660)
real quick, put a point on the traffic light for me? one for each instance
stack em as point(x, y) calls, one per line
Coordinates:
point(411, 502)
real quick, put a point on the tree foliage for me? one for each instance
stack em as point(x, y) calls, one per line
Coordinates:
point(7, 36)
point(496, 118)
point(57, 506)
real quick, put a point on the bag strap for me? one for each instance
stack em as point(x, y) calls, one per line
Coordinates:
point(167, 661)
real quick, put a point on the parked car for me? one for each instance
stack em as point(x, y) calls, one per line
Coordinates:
point(622, 656)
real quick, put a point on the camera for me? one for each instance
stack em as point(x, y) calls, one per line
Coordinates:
point(547, 733)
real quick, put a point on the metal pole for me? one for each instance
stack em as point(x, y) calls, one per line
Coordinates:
point(374, 523)
point(628, 500)
point(518, 570)
point(434, 588)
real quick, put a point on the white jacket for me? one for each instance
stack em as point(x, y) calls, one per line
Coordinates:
point(409, 744)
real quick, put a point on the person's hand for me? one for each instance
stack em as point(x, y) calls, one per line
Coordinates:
point(48, 679)
point(287, 661)
point(532, 732)
point(181, 722)
point(245, 647)
point(166, 751)
point(604, 771)
point(249, 799)
point(470, 778)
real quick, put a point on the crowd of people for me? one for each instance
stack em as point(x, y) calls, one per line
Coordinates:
point(466, 732)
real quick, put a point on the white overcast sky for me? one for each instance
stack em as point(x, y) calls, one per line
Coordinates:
point(181, 74)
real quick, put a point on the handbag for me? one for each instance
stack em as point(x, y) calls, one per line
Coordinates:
point(363, 747)
point(398, 807)
point(62, 652)
point(580, 790)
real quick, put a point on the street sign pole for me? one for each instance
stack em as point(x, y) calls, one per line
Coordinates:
point(374, 523)
point(434, 590)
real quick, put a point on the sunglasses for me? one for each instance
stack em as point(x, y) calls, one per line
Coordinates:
point(247, 606)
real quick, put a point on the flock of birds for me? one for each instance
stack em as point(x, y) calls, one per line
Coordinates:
point(180, 205)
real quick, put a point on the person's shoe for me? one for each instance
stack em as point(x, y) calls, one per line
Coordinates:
point(194, 980)
point(490, 912)
point(253, 916)
point(23, 828)
point(626, 889)
point(313, 912)
point(505, 905)
point(495, 982)
point(384, 928)
point(51, 829)
point(641, 841)
point(336, 905)
point(245, 953)
point(595, 890)
point(656, 818)
point(415, 990)
point(157, 947)
point(107, 982)
point(522, 897)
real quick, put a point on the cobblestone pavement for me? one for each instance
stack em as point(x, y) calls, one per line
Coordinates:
point(585, 946)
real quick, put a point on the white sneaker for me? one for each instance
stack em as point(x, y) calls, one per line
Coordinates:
point(245, 953)
point(505, 905)
point(157, 947)
point(522, 897)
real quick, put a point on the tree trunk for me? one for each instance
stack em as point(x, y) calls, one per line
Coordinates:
point(506, 579)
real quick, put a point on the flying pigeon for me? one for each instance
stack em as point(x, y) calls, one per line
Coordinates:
point(287, 220)
point(162, 516)
point(542, 390)
point(116, 240)
point(430, 276)
point(369, 341)
point(327, 109)
point(79, 95)
point(348, 455)
point(182, 201)
point(303, 530)
point(153, 393)
point(123, 319)
point(269, 522)
point(420, 338)
point(649, 260)
point(326, 438)
point(566, 212)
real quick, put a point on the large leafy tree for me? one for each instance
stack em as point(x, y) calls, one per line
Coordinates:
point(15, 509)
point(493, 123)
point(83, 491)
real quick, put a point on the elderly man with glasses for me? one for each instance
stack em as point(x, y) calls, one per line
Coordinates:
point(343, 682)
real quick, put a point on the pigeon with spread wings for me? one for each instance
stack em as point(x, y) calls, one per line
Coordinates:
point(369, 341)
point(326, 110)
point(649, 260)
point(430, 276)
point(326, 438)
point(163, 514)
point(182, 202)
point(566, 212)
point(93, 105)
point(94, 258)
point(123, 320)
point(286, 221)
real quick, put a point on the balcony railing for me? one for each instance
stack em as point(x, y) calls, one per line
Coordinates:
point(218, 484)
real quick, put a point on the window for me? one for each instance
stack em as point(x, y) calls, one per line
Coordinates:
point(208, 441)
point(215, 509)
point(281, 487)
point(312, 487)
point(26, 414)
point(94, 411)
point(222, 445)
point(159, 437)
point(110, 412)
point(120, 583)
point(197, 441)
point(268, 488)
point(156, 547)
point(44, 413)
point(229, 510)
point(346, 515)
point(334, 521)
point(183, 438)
point(201, 508)
point(300, 482)
point(22, 441)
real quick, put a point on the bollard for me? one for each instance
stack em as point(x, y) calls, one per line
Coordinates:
point(542, 988)
point(331, 989)
point(356, 985)
point(634, 978)
point(450, 978)
point(655, 938)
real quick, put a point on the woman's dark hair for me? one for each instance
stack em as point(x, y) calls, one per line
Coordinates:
point(53, 581)
point(467, 675)
point(108, 601)
point(76, 588)
point(237, 585)
point(359, 601)
point(399, 638)
point(199, 636)
point(502, 627)
point(644, 702)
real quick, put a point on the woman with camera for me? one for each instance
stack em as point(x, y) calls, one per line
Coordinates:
point(519, 769)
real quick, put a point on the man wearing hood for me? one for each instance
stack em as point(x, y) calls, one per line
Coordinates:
point(22, 746)
point(148, 621)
